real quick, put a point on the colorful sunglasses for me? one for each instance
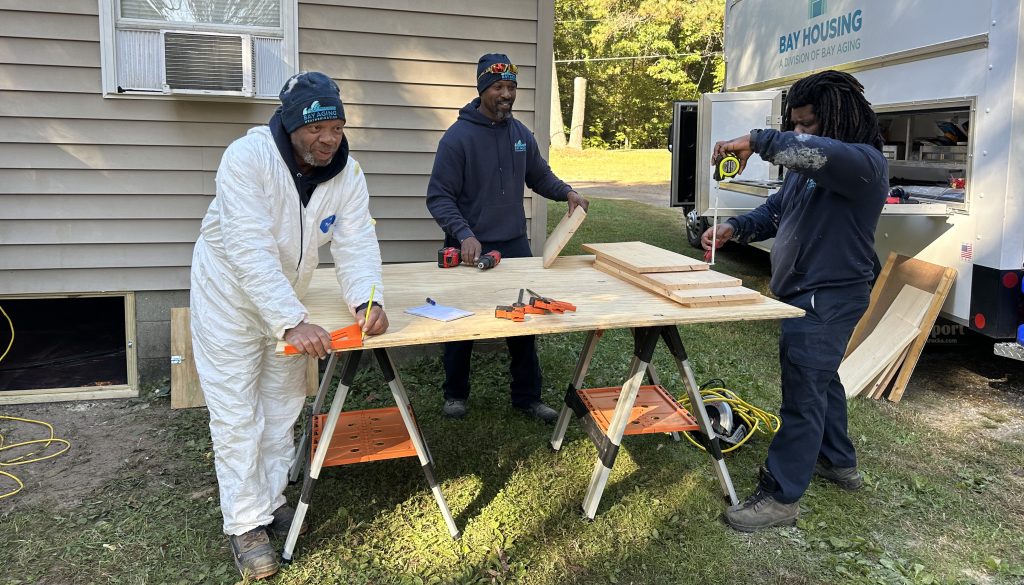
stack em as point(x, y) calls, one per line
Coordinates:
point(499, 68)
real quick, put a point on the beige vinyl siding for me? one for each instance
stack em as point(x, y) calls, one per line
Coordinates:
point(106, 194)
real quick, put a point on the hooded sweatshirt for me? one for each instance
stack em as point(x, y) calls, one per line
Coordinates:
point(823, 218)
point(305, 183)
point(476, 186)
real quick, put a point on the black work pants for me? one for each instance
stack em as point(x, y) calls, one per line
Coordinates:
point(524, 367)
point(813, 399)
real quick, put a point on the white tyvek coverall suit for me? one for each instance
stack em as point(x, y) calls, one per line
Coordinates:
point(252, 265)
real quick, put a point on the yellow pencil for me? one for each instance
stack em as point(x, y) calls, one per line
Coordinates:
point(369, 307)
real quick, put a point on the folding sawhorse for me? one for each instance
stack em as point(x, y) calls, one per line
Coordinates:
point(367, 435)
point(606, 433)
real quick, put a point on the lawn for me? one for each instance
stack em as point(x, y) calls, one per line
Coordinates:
point(612, 166)
point(943, 501)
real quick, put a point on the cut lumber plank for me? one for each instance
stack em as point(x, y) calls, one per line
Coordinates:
point(642, 258)
point(733, 295)
point(691, 279)
point(561, 235)
point(887, 341)
point(185, 389)
point(886, 377)
point(897, 272)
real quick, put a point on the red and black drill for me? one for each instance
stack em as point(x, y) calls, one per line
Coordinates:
point(451, 257)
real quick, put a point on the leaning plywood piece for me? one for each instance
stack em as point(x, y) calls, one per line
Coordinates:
point(561, 235)
point(881, 384)
point(185, 389)
point(897, 272)
point(887, 341)
point(732, 295)
point(641, 258)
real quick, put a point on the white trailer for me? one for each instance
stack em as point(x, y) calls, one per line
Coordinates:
point(944, 76)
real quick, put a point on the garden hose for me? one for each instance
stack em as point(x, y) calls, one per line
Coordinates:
point(30, 457)
point(754, 418)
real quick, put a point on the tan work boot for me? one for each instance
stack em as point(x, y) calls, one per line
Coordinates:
point(283, 522)
point(847, 478)
point(254, 557)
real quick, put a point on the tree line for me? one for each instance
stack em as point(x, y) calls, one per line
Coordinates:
point(638, 56)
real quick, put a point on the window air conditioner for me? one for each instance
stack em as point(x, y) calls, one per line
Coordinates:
point(174, 62)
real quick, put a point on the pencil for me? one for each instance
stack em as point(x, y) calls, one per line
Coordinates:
point(369, 307)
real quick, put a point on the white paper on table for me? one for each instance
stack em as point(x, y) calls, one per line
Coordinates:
point(438, 312)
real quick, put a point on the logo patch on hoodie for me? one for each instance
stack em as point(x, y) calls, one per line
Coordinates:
point(520, 146)
point(326, 223)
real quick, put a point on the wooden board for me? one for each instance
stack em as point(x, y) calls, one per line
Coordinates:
point(897, 272)
point(185, 389)
point(642, 258)
point(691, 279)
point(602, 301)
point(732, 295)
point(887, 341)
point(561, 235)
point(881, 384)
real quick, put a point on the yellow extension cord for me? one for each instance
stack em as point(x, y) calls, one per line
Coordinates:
point(755, 418)
point(29, 458)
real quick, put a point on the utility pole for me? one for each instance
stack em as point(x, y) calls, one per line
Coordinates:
point(579, 101)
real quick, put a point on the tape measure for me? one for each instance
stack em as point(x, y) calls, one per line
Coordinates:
point(727, 168)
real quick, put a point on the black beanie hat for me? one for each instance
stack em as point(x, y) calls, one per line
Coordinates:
point(309, 97)
point(485, 78)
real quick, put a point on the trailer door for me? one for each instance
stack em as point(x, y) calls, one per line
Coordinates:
point(724, 116)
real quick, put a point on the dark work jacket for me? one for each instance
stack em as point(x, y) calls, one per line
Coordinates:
point(823, 218)
point(476, 186)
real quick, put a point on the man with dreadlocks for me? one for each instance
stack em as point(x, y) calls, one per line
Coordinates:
point(823, 260)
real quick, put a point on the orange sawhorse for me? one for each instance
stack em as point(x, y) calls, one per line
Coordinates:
point(354, 437)
point(609, 413)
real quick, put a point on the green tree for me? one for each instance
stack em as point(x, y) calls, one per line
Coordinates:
point(638, 57)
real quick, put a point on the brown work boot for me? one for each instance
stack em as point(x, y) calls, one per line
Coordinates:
point(540, 411)
point(254, 557)
point(761, 510)
point(283, 522)
point(847, 478)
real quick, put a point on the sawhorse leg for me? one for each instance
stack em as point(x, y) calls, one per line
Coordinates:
point(348, 373)
point(675, 345)
point(562, 424)
point(301, 457)
point(387, 367)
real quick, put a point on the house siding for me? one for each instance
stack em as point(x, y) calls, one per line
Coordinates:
point(106, 194)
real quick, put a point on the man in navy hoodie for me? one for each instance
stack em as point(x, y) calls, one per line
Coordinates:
point(823, 220)
point(476, 196)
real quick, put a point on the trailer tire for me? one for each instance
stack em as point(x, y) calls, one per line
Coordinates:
point(696, 225)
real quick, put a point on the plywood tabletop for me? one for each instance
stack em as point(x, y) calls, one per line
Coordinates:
point(603, 302)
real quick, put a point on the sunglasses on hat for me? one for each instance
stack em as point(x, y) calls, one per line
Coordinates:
point(499, 68)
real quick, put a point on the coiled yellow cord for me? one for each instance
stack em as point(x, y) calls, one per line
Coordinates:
point(755, 418)
point(30, 457)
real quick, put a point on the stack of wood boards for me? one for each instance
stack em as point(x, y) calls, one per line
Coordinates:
point(888, 340)
point(683, 279)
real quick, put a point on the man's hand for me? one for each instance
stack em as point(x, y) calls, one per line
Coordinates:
point(576, 200)
point(471, 249)
point(722, 233)
point(309, 339)
point(739, 146)
point(376, 324)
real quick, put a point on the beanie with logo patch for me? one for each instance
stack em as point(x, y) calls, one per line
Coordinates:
point(492, 68)
point(310, 97)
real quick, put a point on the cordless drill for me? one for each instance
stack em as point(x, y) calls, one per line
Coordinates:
point(489, 260)
point(451, 257)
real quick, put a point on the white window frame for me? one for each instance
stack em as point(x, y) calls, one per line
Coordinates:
point(109, 11)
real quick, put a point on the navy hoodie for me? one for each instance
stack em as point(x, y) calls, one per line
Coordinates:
point(823, 218)
point(476, 186)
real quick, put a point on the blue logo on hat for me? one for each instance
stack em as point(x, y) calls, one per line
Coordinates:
point(316, 113)
point(326, 223)
point(520, 146)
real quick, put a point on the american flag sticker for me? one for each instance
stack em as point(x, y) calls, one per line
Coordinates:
point(966, 251)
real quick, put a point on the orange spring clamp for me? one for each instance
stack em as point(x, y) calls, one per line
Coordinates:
point(510, 313)
point(522, 307)
point(548, 304)
point(344, 338)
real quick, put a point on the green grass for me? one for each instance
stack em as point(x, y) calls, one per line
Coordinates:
point(939, 506)
point(612, 166)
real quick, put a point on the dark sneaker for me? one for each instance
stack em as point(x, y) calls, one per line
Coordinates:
point(540, 411)
point(847, 478)
point(283, 522)
point(454, 408)
point(761, 510)
point(254, 557)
